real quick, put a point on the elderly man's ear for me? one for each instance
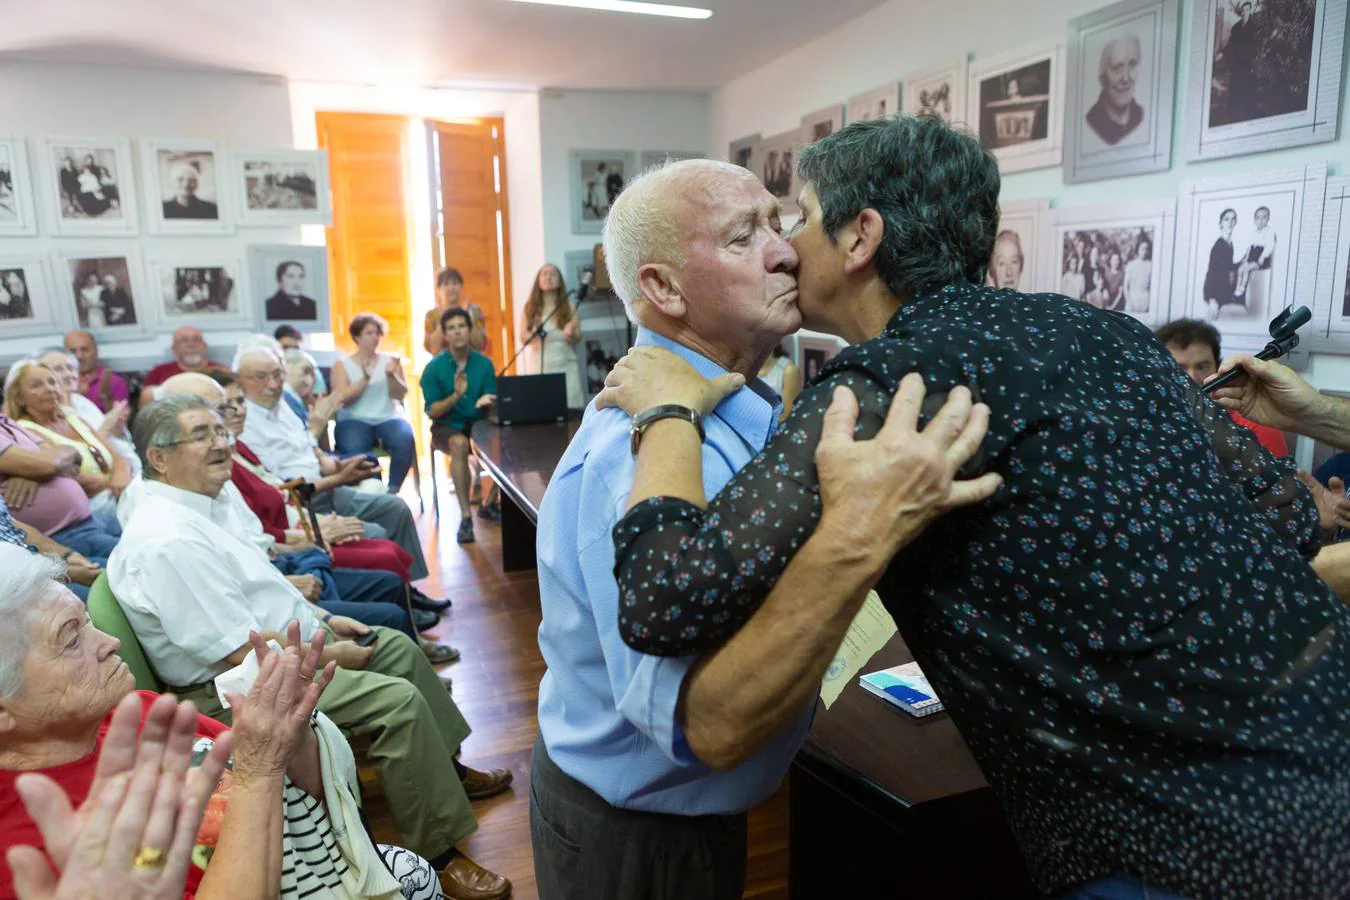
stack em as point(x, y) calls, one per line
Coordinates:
point(658, 285)
point(860, 239)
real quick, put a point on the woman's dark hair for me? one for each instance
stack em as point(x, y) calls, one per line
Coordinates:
point(288, 331)
point(361, 320)
point(934, 186)
point(456, 312)
point(222, 377)
point(447, 275)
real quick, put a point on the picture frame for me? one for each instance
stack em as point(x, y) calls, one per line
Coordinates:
point(822, 123)
point(94, 193)
point(1235, 272)
point(938, 91)
point(1015, 103)
point(651, 158)
point(597, 178)
point(776, 167)
point(1016, 259)
point(814, 351)
point(208, 291)
point(878, 103)
point(1330, 326)
point(1117, 57)
point(281, 187)
point(186, 186)
point(103, 290)
point(1079, 244)
point(1279, 87)
point(29, 305)
point(576, 262)
point(742, 150)
point(282, 295)
point(18, 214)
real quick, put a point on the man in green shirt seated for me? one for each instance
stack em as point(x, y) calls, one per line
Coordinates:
point(458, 386)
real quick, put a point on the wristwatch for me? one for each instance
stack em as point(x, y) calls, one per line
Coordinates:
point(666, 411)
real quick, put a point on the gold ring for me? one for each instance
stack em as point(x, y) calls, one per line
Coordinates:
point(148, 858)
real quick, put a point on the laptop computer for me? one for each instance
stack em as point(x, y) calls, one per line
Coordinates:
point(525, 399)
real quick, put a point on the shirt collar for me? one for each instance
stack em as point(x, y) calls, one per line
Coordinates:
point(198, 503)
point(257, 409)
point(752, 412)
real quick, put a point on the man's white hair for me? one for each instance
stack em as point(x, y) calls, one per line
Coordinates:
point(25, 578)
point(261, 346)
point(641, 227)
point(1129, 38)
point(194, 383)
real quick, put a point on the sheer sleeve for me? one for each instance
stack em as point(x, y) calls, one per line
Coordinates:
point(690, 578)
point(1266, 480)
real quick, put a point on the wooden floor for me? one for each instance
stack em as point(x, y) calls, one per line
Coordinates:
point(494, 623)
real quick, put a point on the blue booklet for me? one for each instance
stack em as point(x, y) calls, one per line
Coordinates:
point(904, 686)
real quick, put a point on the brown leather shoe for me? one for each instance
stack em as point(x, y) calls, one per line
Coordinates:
point(465, 879)
point(479, 785)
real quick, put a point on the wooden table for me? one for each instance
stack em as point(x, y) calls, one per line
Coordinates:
point(521, 459)
point(882, 804)
point(894, 805)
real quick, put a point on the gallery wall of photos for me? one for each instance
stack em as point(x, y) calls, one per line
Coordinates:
point(1100, 101)
point(103, 201)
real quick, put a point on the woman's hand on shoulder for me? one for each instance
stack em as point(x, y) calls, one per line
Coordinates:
point(653, 376)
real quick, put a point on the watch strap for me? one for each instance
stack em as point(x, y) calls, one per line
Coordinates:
point(666, 411)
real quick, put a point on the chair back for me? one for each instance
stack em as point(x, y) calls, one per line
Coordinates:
point(106, 614)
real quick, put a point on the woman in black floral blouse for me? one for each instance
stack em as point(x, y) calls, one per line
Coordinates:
point(1127, 633)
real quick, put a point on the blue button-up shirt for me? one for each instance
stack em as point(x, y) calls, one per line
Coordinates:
point(606, 712)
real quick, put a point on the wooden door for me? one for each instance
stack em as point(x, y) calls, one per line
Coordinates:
point(471, 230)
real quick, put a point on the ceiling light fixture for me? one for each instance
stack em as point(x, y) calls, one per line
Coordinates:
point(631, 6)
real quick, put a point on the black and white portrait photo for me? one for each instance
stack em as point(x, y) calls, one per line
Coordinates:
point(937, 92)
point(776, 159)
point(597, 179)
point(16, 301)
point(91, 186)
point(17, 216)
point(742, 151)
point(1013, 264)
point(291, 282)
point(1110, 268)
point(1015, 106)
point(276, 187)
point(1249, 245)
point(185, 187)
point(102, 292)
point(1121, 72)
point(1265, 74)
point(877, 103)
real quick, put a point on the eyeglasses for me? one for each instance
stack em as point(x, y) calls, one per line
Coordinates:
point(274, 375)
point(203, 437)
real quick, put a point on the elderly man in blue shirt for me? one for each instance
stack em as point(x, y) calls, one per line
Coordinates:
point(624, 803)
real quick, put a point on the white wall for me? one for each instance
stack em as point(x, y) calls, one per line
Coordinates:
point(900, 37)
point(520, 113)
point(40, 100)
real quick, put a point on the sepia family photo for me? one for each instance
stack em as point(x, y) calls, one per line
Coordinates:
point(597, 179)
point(1121, 71)
point(27, 304)
point(939, 91)
point(822, 123)
point(742, 151)
point(777, 161)
point(282, 187)
point(1115, 257)
point(17, 216)
point(877, 103)
point(190, 291)
point(92, 190)
point(102, 293)
point(1015, 104)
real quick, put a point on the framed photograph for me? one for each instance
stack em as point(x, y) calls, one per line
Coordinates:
point(742, 150)
point(1330, 327)
point(652, 158)
point(1264, 75)
point(598, 177)
point(877, 103)
point(289, 283)
point(1247, 247)
point(204, 291)
point(184, 191)
point(814, 351)
point(1015, 262)
point(777, 167)
point(102, 292)
point(29, 307)
point(822, 123)
point(281, 187)
point(1015, 102)
point(17, 214)
point(575, 263)
point(939, 91)
point(90, 186)
point(1115, 256)
point(1122, 67)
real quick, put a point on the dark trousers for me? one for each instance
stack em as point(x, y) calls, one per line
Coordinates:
point(585, 849)
point(370, 597)
point(395, 435)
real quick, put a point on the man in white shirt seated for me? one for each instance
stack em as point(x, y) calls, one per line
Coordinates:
point(275, 433)
point(193, 590)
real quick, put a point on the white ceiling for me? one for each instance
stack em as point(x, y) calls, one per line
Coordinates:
point(423, 42)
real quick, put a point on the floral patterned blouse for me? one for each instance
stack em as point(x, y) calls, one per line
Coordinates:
point(1127, 634)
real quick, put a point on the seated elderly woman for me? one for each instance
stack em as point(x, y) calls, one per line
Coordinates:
point(33, 398)
point(111, 426)
point(305, 393)
point(68, 711)
point(371, 386)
